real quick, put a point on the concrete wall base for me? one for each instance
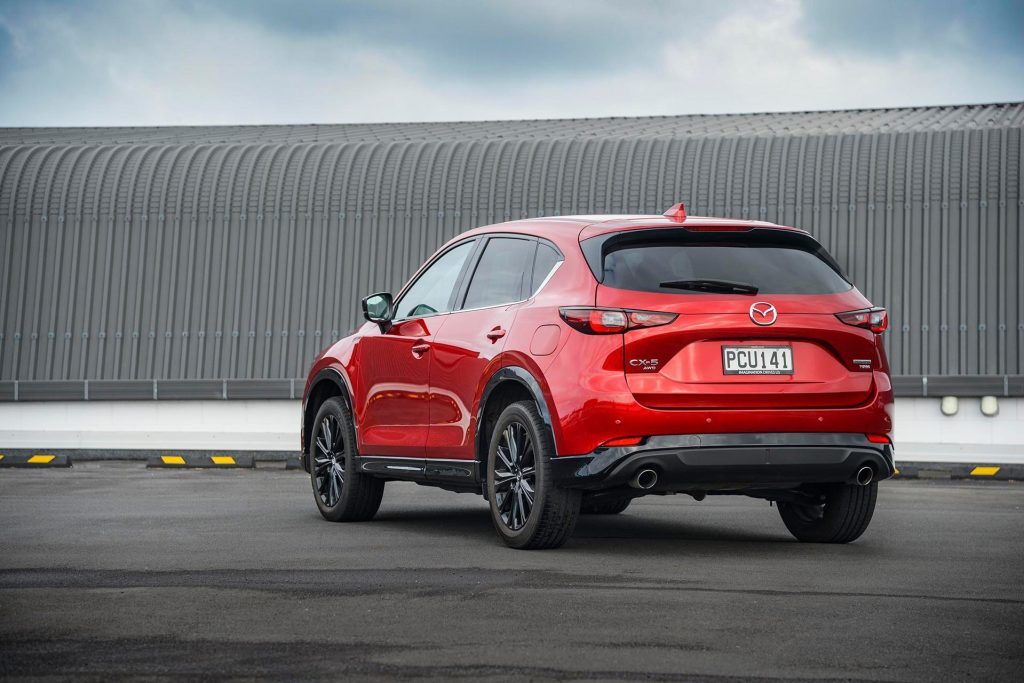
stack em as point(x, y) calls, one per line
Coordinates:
point(270, 428)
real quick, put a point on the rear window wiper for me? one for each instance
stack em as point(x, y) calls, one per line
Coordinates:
point(711, 286)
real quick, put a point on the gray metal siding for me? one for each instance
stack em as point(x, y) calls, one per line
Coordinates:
point(183, 258)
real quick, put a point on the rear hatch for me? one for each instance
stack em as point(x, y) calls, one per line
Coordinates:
point(715, 354)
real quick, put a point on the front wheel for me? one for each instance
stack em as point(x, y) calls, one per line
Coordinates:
point(841, 516)
point(527, 509)
point(341, 493)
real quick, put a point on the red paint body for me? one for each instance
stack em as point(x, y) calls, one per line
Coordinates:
point(416, 388)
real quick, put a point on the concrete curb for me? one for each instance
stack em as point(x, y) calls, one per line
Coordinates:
point(184, 461)
point(954, 470)
point(28, 458)
point(91, 454)
point(34, 459)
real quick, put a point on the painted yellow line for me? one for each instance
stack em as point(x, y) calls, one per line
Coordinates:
point(40, 459)
point(172, 459)
point(984, 471)
point(222, 460)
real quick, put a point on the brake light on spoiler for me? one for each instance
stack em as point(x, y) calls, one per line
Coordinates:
point(591, 320)
point(717, 228)
point(874, 319)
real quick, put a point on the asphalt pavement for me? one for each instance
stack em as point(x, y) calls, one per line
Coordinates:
point(109, 569)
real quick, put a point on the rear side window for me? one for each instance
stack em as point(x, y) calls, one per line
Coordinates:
point(498, 278)
point(546, 260)
point(773, 266)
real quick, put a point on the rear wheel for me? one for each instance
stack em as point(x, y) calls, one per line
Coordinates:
point(842, 515)
point(527, 509)
point(341, 493)
point(605, 506)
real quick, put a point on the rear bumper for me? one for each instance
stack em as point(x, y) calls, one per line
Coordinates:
point(729, 461)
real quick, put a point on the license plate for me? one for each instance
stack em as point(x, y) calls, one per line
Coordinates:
point(757, 360)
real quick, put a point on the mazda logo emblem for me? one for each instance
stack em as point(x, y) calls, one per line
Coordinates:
point(763, 313)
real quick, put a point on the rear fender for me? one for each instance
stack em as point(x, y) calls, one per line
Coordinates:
point(525, 378)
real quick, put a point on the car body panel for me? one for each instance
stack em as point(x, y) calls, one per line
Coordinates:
point(679, 365)
point(463, 358)
point(391, 389)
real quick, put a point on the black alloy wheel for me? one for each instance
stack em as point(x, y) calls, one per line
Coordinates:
point(515, 476)
point(341, 493)
point(528, 510)
point(329, 461)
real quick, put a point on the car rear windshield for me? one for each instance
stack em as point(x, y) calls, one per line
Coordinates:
point(692, 264)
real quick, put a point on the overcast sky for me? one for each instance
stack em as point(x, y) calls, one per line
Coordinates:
point(164, 62)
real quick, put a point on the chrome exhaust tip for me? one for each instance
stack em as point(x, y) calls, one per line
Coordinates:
point(865, 475)
point(644, 480)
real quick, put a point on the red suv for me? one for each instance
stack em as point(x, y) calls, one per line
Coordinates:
point(570, 364)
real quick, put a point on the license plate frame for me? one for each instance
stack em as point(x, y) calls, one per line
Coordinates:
point(767, 364)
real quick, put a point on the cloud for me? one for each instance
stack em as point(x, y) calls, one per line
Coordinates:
point(473, 39)
point(969, 29)
point(161, 62)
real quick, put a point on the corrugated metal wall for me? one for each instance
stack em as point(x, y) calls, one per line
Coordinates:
point(240, 261)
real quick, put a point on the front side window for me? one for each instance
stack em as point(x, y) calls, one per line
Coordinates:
point(432, 292)
point(499, 275)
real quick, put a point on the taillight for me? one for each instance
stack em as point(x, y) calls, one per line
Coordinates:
point(878, 438)
point(718, 228)
point(612, 320)
point(874, 319)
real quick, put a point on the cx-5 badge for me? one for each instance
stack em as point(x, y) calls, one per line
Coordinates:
point(763, 313)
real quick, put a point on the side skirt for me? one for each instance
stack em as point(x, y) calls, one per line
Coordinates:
point(455, 475)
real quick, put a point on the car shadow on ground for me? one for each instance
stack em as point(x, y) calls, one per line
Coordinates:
point(626, 532)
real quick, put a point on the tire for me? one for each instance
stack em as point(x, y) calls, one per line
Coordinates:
point(605, 506)
point(843, 517)
point(549, 520)
point(341, 494)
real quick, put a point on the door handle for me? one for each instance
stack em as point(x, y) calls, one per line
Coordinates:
point(419, 349)
point(496, 334)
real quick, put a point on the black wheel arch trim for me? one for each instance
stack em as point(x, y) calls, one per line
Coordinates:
point(327, 375)
point(512, 373)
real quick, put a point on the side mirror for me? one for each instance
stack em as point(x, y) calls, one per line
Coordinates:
point(377, 309)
